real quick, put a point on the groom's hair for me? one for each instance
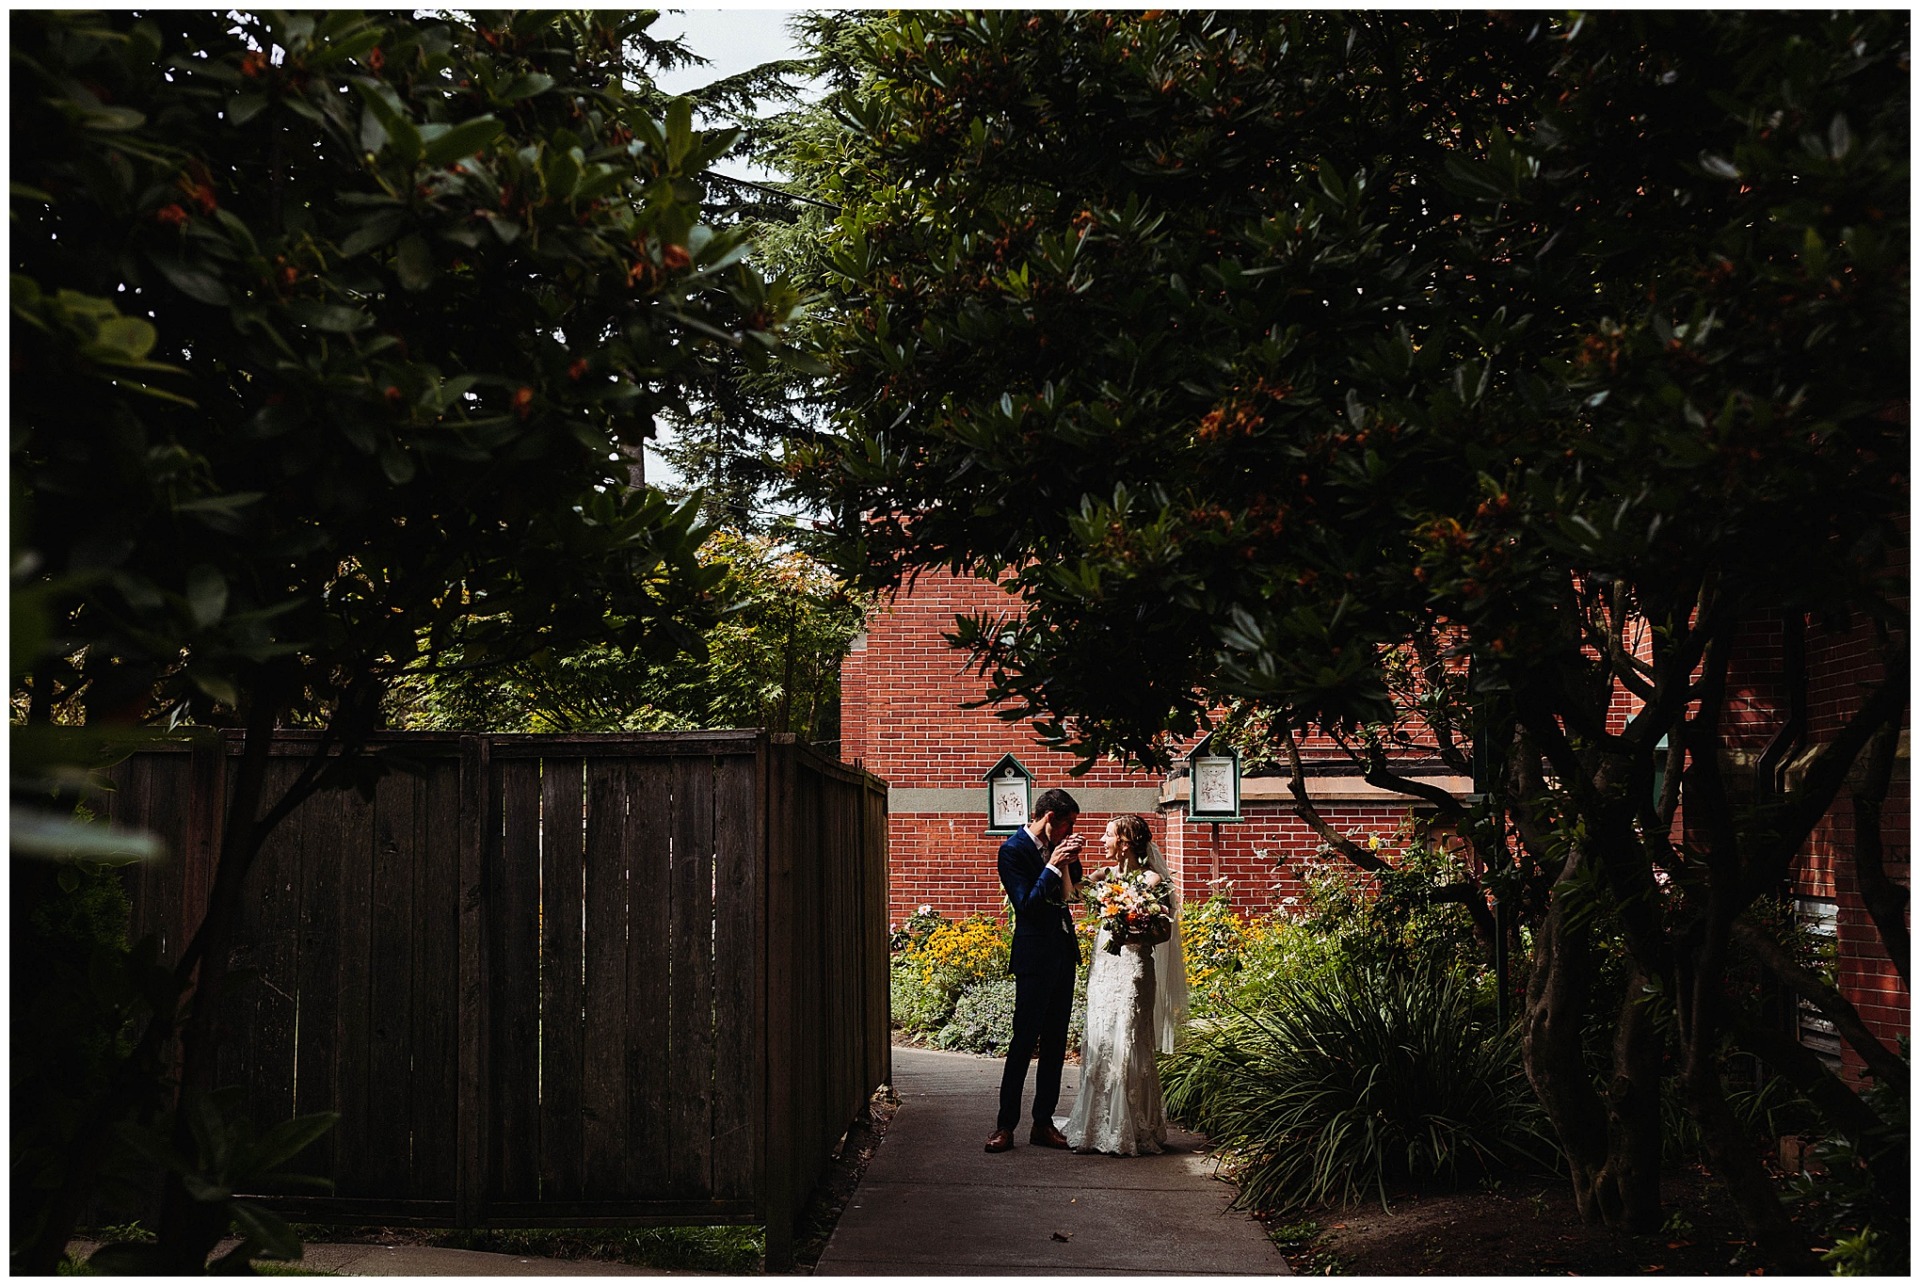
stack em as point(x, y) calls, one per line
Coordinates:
point(1056, 801)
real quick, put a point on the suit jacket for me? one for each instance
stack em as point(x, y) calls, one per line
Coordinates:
point(1043, 934)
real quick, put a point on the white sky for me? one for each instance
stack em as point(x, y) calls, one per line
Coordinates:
point(731, 39)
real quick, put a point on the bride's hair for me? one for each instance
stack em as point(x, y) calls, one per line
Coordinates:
point(1134, 831)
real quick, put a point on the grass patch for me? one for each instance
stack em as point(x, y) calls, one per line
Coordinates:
point(735, 1251)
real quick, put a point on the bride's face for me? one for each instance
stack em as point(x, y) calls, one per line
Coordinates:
point(1111, 843)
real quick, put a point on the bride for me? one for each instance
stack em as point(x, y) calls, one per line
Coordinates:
point(1134, 1001)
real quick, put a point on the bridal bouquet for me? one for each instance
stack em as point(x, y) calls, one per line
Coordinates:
point(1133, 906)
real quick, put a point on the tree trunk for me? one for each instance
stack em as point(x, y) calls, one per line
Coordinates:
point(1612, 1140)
point(1700, 1002)
point(190, 1229)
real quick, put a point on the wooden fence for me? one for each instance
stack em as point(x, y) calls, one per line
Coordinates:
point(608, 979)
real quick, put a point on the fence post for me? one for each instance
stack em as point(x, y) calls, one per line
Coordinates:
point(473, 1152)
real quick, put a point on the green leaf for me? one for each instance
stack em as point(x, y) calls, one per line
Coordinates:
point(289, 1139)
point(403, 136)
point(679, 129)
point(217, 686)
point(200, 1189)
point(527, 86)
point(330, 317)
point(413, 263)
point(231, 503)
point(195, 283)
point(130, 337)
point(448, 143)
point(149, 1145)
point(242, 108)
point(113, 120)
point(206, 595)
point(376, 230)
point(267, 1230)
point(397, 464)
point(38, 834)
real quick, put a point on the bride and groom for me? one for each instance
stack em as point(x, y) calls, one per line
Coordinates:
point(1135, 997)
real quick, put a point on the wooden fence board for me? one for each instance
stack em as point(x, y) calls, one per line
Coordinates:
point(604, 1090)
point(317, 976)
point(267, 1003)
point(436, 983)
point(479, 837)
point(516, 983)
point(736, 969)
point(389, 1114)
point(352, 1020)
point(647, 841)
point(690, 996)
point(562, 1002)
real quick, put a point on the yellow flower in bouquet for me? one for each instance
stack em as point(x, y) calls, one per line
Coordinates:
point(1132, 906)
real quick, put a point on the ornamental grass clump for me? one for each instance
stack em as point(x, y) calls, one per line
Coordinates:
point(1350, 1082)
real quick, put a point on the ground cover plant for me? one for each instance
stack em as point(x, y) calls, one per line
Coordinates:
point(951, 985)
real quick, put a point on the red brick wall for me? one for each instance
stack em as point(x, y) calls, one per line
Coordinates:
point(1260, 862)
point(1842, 665)
point(902, 716)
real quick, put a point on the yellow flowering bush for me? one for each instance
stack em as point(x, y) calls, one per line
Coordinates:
point(965, 950)
point(940, 960)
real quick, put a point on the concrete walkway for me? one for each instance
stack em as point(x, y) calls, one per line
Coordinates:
point(357, 1259)
point(933, 1202)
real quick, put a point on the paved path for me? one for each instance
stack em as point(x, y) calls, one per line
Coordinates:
point(933, 1202)
point(355, 1259)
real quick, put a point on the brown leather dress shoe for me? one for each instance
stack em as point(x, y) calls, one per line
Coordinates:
point(1000, 1141)
point(1047, 1135)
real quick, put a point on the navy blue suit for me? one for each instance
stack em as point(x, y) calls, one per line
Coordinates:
point(1046, 956)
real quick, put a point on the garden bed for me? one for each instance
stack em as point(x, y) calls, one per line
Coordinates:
point(1522, 1226)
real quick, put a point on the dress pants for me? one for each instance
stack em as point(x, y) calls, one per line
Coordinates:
point(1042, 1009)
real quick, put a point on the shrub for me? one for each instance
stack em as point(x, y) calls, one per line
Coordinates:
point(982, 1021)
point(939, 961)
point(913, 931)
point(968, 950)
point(1391, 918)
point(918, 1006)
point(1343, 1081)
point(1856, 1196)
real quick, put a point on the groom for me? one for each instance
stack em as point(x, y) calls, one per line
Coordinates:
point(1040, 869)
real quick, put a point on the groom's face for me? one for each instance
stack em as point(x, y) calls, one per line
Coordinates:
point(1055, 827)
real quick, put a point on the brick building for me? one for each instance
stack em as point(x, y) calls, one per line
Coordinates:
point(903, 698)
point(903, 715)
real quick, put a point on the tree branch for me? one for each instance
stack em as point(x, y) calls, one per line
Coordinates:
point(1807, 803)
point(1886, 900)
point(1304, 807)
point(1883, 1064)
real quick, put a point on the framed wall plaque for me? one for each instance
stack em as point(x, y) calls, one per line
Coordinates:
point(1009, 796)
point(1214, 778)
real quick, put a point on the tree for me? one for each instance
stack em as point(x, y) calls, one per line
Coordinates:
point(773, 663)
point(1506, 364)
point(329, 333)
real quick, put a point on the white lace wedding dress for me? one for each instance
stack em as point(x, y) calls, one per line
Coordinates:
point(1134, 1001)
